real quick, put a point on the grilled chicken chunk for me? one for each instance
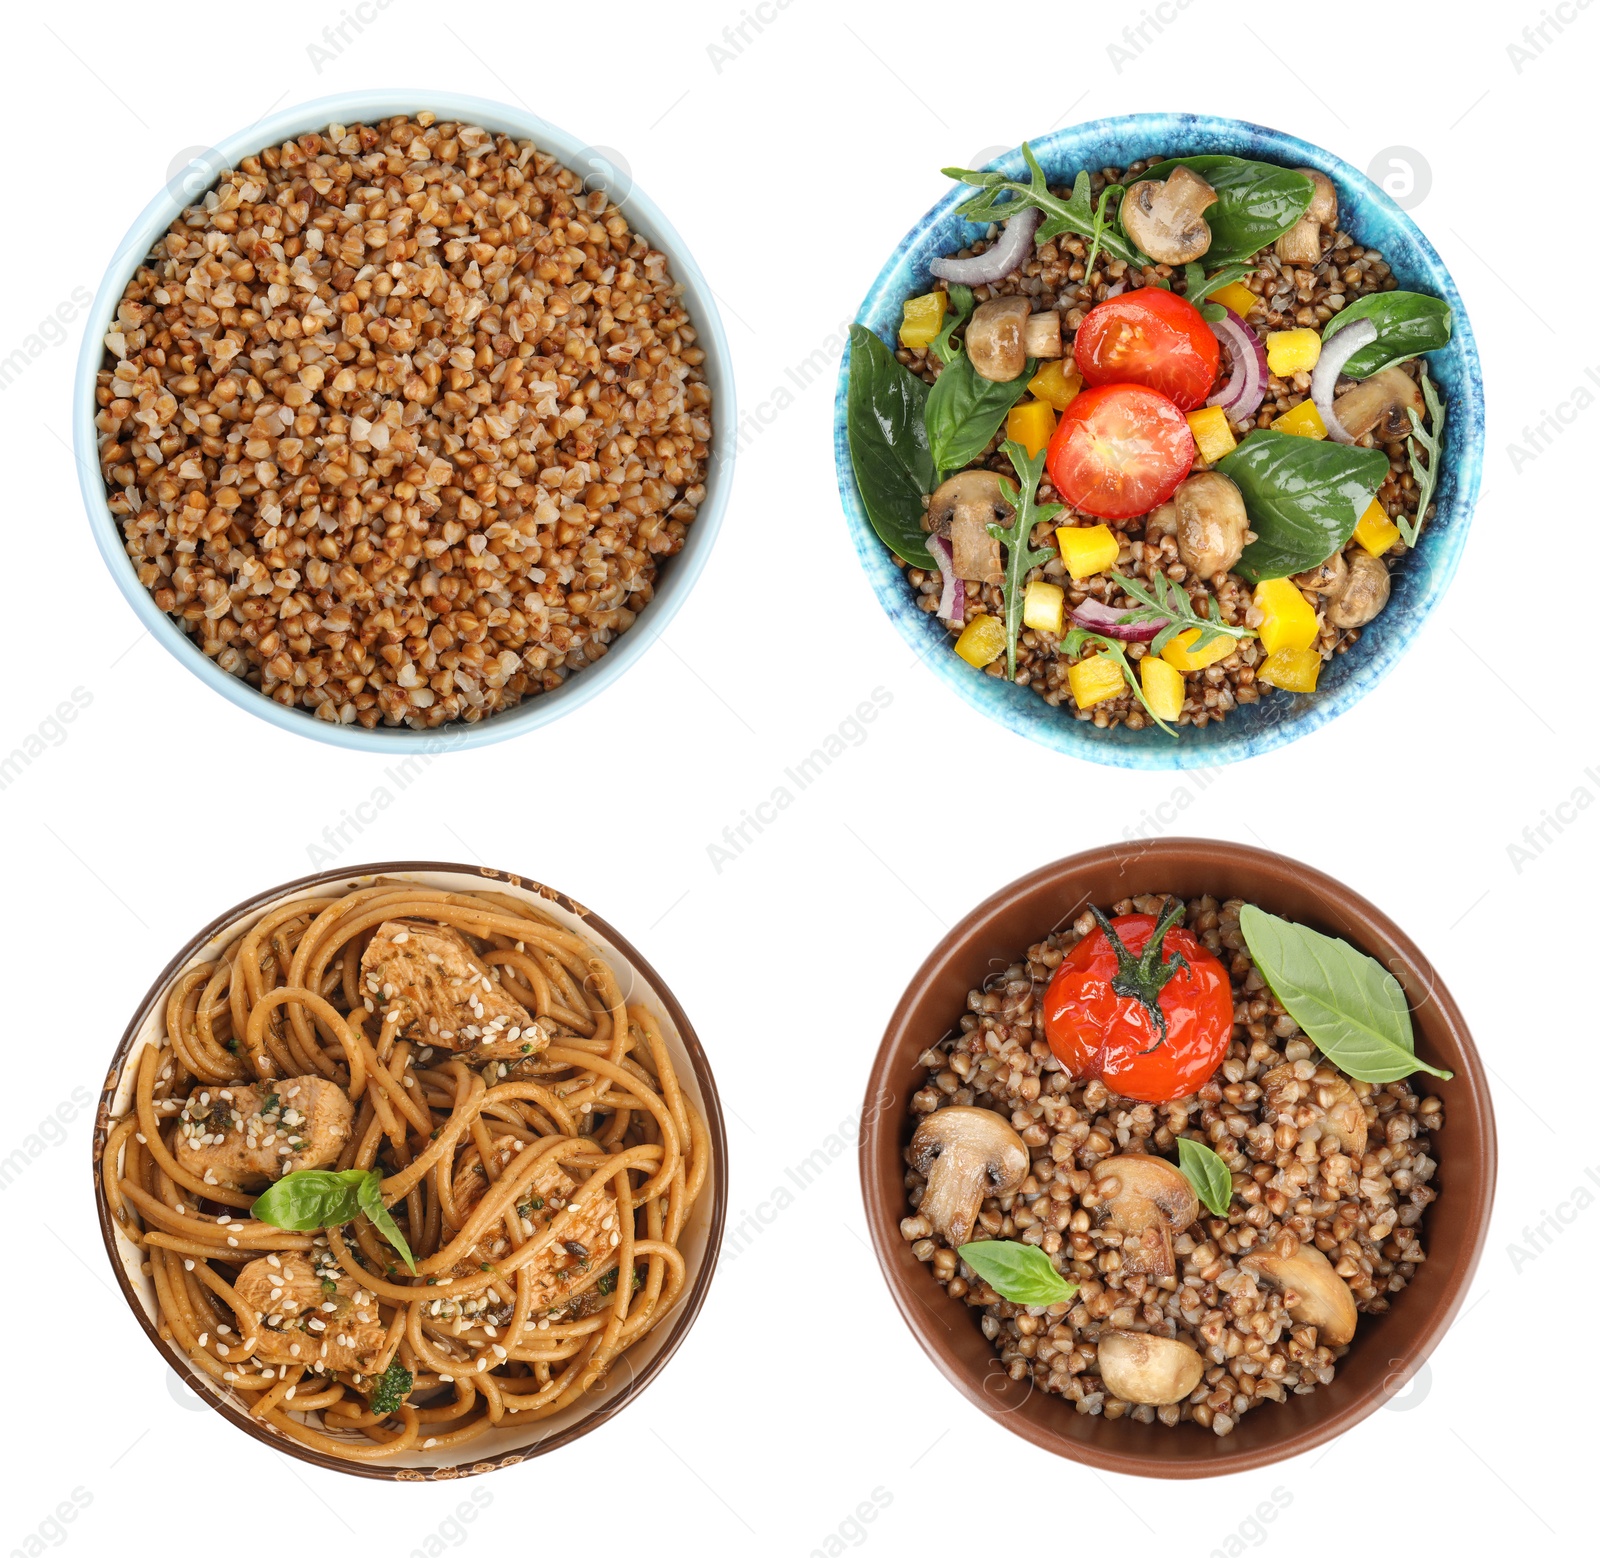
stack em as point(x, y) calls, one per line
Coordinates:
point(247, 1134)
point(436, 990)
point(312, 1315)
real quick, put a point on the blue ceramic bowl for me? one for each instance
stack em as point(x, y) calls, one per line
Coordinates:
point(1418, 583)
point(602, 167)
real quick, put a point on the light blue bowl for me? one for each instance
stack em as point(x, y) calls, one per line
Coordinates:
point(1418, 583)
point(677, 576)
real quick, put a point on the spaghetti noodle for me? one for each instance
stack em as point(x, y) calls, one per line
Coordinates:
point(534, 1144)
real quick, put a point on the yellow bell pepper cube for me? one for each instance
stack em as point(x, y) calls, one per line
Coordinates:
point(1304, 421)
point(1094, 680)
point(982, 640)
point(1044, 606)
point(1292, 351)
point(1087, 549)
point(1163, 687)
point(1212, 435)
point(1054, 385)
point(1031, 423)
point(924, 318)
point(1236, 296)
point(1294, 670)
point(1288, 621)
point(1375, 530)
point(1177, 655)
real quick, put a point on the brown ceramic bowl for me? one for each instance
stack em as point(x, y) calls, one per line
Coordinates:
point(505, 1446)
point(1388, 1349)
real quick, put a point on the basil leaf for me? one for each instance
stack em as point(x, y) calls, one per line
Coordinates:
point(1350, 1006)
point(1303, 496)
point(1208, 1174)
point(960, 305)
point(965, 411)
point(889, 445)
point(1408, 324)
point(1257, 202)
point(309, 1199)
point(371, 1199)
point(1020, 1273)
point(394, 1385)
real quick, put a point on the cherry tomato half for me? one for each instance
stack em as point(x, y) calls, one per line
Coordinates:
point(1149, 337)
point(1151, 1021)
point(1119, 451)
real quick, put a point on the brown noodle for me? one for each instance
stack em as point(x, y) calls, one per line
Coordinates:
point(600, 1105)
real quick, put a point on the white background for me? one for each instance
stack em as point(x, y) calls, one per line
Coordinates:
point(791, 166)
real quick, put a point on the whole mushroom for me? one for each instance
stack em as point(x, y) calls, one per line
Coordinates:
point(1327, 578)
point(963, 507)
point(996, 338)
point(1148, 1370)
point(1319, 1296)
point(965, 1155)
point(1212, 528)
point(1302, 244)
point(1165, 217)
point(1365, 593)
point(1147, 1201)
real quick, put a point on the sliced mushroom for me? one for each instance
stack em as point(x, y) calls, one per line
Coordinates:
point(1148, 1370)
point(965, 1155)
point(1302, 244)
point(995, 338)
point(1326, 578)
point(1147, 1201)
point(1380, 403)
point(1212, 525)
point(1317, 1294)
point(1164, 217)
point(1365, 594)
point(963, 508)
point(1041, 335)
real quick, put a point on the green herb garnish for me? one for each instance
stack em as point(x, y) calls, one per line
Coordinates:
point(965, 410)
point(945, 347)
point(1162, 598)
point(1080, 639)
point(1208, 1174)
point(1408, 324)
point(324, 1198)
point(1197, 287)
point(1019, 1273)
point(1017, 539)
point(394, 1385)
point(1101, 224)
point(889, 446)
point(1427, 476)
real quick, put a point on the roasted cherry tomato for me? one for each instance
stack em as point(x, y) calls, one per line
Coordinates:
point(1141, 1005)
point(1149, 337)
point(1119, 451)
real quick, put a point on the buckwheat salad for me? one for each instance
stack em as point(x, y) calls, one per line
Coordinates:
point(1172, 1159)
point(1152, 445)
point(400, 421)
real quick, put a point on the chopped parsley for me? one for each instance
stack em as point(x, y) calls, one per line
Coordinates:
point(394, 1385)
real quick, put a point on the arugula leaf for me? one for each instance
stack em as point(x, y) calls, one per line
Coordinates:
point(1162, 598)
point(1000, 198)
point(1408, 324)
point(1208, 1174)
point(310, 1199)
point(1431, 444)
point(1303, 496)
point(944, 347)
point(889, 445)
point(1080, 639)
point(1198, 287)
point(965, 410)
point(1100, 223)
point(1017, 539)
point(1350, 1006)
point(1257, 202)
point(394, 1385)
point(1019, 1273)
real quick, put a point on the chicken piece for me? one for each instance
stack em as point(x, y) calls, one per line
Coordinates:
point(313, 1314)
point(436, 990)
point(586, 1241)
point(248, 1134)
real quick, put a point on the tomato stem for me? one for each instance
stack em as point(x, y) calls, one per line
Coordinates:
point(1143, 978)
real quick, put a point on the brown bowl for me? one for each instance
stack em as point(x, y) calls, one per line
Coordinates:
point(702, 1237)
point(1388, 1349)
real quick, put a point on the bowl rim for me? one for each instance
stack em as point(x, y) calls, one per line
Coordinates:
point(676, 579)
point(688, 1307)
point(1003, 704)
point(885, 1204)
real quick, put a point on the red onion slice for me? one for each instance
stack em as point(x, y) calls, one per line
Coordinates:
point(1247, 384)
point(1003, 257)
point(1337, 350)
point(1113, 621)
point(953, 596)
